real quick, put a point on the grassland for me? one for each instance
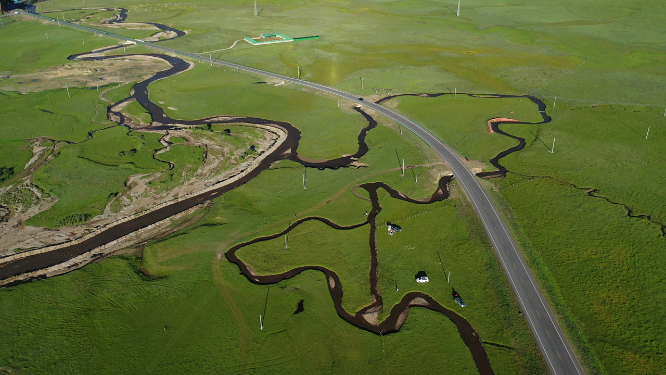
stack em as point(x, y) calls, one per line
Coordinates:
point(190, 276)
point(600, 273)
point(327, 131)
point(461, 121)
point(85, 176)
point(27, 49)
point(598, 267)
point(587, 252)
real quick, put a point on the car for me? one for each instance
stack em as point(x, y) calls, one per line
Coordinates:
point(421, 277)
point(459, 300)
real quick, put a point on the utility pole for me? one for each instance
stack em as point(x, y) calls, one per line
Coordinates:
point(255, 9)
point(458, 13)
point(648, 133)
point(286, 238)
point(67, 87)
point(552, 150)
point(261, 323)
point(396, 287)
point(448, 278)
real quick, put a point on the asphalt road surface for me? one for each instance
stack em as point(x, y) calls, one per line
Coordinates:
point(553, 345)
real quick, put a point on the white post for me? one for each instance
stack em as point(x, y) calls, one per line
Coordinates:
point(63, 17)
point(664, 112)
point(304, 181)
point(403, 167)
point(67, 87)
point(338, 103)
point(298, 72)
point(124, 50)
point(648, 133)
point(261, 323)
point(400, 129)
point(455, 92)
point(554, 102)
point(255, 9)
point(448, 278)
point(458, 13)
point(552, 150)
point(416, 177)
point(47, 36)
point(210, 57)
point(58, 23)
point(286, 241)
point(361, 83)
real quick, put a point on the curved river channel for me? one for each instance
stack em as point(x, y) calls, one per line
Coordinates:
point(287, 150)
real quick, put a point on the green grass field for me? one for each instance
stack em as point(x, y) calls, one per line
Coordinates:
point(462, 121)
point(86, 176)
point(600, 269)
point(188, 277)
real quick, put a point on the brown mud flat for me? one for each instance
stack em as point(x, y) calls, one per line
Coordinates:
point(364, 318)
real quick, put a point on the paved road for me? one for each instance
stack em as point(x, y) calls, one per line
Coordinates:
point(552, 343)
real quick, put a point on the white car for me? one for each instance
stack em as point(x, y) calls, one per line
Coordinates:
point(422, 279)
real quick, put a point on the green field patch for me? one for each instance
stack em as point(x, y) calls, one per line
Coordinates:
point(186, 160)
point(137, 111)
point(13, 157)
point(85, 177)
point(26, 49)
point(603, 148)
point(116, 92)
point(49, 114)
point(177, 140)
point(462, 121)
point(444, 237)
point(313, 243)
